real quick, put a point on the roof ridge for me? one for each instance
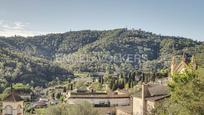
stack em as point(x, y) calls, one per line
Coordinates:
point(12, 94)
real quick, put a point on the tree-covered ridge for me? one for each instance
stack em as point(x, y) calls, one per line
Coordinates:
point(17, 66)
point(114, 41)
point(153, 50)
point(48, 45)
point(37, 56)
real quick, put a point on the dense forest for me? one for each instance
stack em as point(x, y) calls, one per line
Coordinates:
point(40, 59)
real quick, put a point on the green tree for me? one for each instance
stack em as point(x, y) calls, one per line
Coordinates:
point(58, 95)
point(83, 108)
point(187, 95)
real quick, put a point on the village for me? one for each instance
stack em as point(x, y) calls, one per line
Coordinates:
point(141, 101)
point(101, 57)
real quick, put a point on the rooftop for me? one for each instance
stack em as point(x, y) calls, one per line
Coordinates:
point(157, 98)
point(100, 96)
point(155, 92)
point(12, 98)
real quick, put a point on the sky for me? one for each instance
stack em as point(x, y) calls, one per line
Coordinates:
point(166, 17)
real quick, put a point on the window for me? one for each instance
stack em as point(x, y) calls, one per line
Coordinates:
point(19, 110)
point(8, 110)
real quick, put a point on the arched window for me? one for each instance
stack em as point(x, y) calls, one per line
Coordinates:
point(19, 112)
point(8, 110)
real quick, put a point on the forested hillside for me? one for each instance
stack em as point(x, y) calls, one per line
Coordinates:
point(17, 66)
point(48, 45)
point(41, 59)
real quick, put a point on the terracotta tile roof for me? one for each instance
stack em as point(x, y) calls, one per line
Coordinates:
point(158, 90)
point(40, 103)
point(155, 92)
point(157, 98)
point(100, 96)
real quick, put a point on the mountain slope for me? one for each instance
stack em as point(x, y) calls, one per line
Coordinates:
point(137, 49)
point(46, 46)
point(16, 66)
point(89, 51)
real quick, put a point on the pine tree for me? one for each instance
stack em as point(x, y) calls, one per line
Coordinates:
point(187, 95)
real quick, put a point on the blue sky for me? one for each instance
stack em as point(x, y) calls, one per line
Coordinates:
point(166, 17)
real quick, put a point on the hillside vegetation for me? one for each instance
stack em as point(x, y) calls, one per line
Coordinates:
point(40, 59)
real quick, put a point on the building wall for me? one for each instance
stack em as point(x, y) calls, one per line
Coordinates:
point(113, 101)
point(26, 97)
point(119, 112)
point(17, 107)
point(137, 106)
point(150, 106)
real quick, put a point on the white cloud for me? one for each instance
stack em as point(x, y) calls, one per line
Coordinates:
point(20, 33)
point(16, 28)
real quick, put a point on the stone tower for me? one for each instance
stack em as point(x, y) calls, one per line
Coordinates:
point(173, 65)
point(183, 65)
point(12, 104)
point(193, 62)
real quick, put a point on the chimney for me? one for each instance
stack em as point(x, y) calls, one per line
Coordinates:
point(144, 95)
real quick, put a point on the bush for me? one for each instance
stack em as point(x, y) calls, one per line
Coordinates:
point(83, 108)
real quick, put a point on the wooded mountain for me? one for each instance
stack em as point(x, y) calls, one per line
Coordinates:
point(41, 59)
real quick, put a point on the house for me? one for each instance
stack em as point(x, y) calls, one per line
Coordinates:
point(85, 79)
point(122, 91)
point(60, 89)
point(99, 99)
point(40, 104)
point(25, 96)
point(81, 90)
point(151, 95)
point(12, 105)
point(183, 65)
point(54, 102)
point(44, 99)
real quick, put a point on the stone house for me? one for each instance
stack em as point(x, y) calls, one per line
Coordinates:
point(12, 105)
point(150, 96)
point(99, 99)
